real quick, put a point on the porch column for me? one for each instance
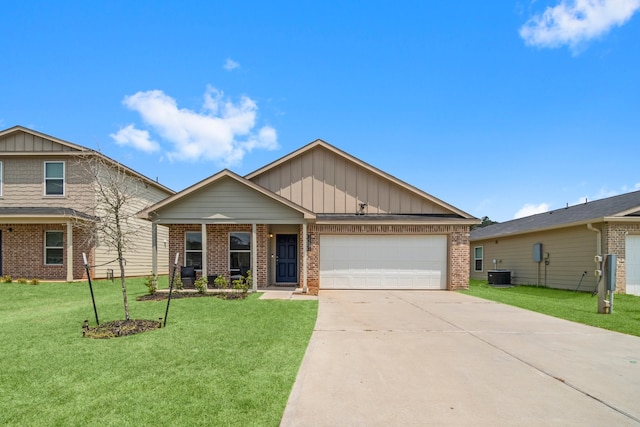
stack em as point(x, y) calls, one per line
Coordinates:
point(154, 252)
point(69, 251)
point(254, 257)
point(204, 250)
point(305, 250)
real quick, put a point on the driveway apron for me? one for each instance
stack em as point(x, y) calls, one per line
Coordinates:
point(383, 358)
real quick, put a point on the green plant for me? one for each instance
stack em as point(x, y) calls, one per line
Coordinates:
point(151, 283)
point(220, 282)
point(7, 279)
point(34, 282)
point(201, 284)
point(22, 280)
point(177, 282)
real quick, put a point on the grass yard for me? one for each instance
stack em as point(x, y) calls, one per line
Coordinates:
point(217, 362)
point(579, 307)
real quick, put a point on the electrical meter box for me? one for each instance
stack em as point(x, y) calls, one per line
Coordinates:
point(537, 252)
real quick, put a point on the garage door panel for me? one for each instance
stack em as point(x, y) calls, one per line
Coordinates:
point(383, 262)
point(632, 264)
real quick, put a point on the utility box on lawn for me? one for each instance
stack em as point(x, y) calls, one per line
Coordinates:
point(499, 277)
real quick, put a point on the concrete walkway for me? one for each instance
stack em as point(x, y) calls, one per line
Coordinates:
point(414, 358)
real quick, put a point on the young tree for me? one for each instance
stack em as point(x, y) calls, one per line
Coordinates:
point(117, 200)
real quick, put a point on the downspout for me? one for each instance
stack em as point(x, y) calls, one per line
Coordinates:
point(598, 238)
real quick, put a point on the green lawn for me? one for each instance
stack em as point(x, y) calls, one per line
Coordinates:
point(579, 307)
point(216, 363)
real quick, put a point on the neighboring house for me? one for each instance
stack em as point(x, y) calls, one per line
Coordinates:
point(570, 237)
point(318, 218)
point(47, 193)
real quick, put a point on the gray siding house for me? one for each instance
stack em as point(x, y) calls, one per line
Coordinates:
point(570, 237)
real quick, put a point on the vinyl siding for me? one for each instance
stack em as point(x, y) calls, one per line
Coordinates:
point(323, 182)
point(571, 252)
point(227, 200)
point(19, 142)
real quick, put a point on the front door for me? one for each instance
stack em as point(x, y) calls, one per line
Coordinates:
point(286, 258)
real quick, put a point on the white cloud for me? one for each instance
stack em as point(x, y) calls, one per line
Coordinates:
point(139, 139)
point(574, 22)
point(230, 64)
point(223, 131)
point(531, 209)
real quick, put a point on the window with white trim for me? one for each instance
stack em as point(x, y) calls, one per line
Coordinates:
point(193, 249)
point(1, 179)
point(239, 252)
point(54, 178)
point(478, 256)
point(53, 247)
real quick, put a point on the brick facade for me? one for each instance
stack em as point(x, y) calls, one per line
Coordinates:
point(23, 253)
point(614, 236)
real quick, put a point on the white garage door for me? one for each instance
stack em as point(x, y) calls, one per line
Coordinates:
point(383, 262)
point(632, 264)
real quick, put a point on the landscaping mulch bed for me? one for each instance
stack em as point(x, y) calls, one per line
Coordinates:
point(121, 328)
point(160, 296)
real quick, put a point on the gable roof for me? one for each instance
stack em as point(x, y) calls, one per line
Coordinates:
point(67, 148)
point(624, 207)
point(225, 173)
point(320, 143)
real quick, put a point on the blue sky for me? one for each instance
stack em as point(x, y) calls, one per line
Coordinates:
point(501, 108)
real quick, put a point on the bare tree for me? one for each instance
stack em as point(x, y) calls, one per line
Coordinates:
point(117, 199)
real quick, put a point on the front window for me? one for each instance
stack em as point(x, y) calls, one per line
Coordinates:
point(54, 178)
point(239, 252)
point(193, 249)
point(53, 245)
point(478, 257)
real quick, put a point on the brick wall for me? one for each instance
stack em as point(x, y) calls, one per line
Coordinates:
point(614, 236)
point(217, 257)
point(23, 252)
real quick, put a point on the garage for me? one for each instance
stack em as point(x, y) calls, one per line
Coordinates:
point(633, 264)
point(383, 262)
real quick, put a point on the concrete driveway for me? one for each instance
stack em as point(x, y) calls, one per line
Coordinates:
point(389, 358)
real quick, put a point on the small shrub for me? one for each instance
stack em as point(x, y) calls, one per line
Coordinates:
point(34, 282)
point(7, 279)
point(22, 280)
point(220, 282)
point(177, 282)
point(241, 285)
point(201, 285)
point(151, 283)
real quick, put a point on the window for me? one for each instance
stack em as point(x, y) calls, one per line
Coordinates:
point(239, 252)
point(477, 258)
point(193, 249)
point(54, 178)
point(1, 179)
point(53, 246)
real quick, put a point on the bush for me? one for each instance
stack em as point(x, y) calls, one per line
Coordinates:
point(177, 282)
point(220, 282)
point(151, 283)
point(34, 282)
point(242, 284)
point(22, 280)
point(201, 285)
point(7, 279)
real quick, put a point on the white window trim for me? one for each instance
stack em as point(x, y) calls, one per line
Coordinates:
point(64, 178)
point(1, 177)
point(192, 250)
point(53, 247)
point(476, 259)
point(239, 250)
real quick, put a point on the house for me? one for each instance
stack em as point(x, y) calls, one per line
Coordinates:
point(318, 218)
point(567, 239)
point(47, 196)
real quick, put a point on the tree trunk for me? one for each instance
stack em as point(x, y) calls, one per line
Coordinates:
point(124, 289)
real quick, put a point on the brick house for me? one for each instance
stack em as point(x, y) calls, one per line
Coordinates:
point(569, 239)
point(47, 194)
point(318, 218)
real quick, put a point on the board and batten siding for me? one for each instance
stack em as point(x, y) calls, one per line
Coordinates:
point(323, 182)
point(227, 200)
point(20, 142)
point(571, 252)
